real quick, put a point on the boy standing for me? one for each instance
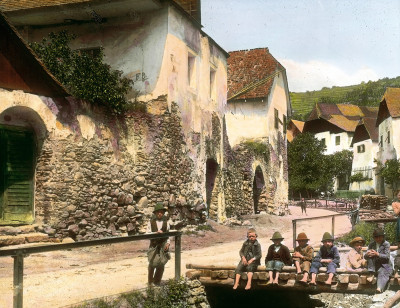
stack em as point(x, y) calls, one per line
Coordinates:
point(250, 255)
point(158, 247)
point(328, 255)
point(302, 256)
point(278, 256)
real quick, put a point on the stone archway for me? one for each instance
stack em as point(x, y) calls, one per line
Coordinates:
point(258, 188)
point(22, 133)
point(211, 174)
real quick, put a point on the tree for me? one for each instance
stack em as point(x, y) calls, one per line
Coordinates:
point(358, 177)
point(85, 76)
point(306, 164)
point(391, 173)
point(341, 164)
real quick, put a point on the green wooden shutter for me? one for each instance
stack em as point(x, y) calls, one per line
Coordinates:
point(17, 172)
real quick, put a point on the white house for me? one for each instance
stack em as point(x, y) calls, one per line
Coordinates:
point(388, 121)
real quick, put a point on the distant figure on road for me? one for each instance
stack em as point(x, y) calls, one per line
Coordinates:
point(303, 205)
point(158, 253)
point(250, 256)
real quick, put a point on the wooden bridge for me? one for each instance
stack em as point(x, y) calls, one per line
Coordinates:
point(343, 282)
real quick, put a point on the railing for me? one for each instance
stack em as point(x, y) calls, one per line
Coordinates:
point(20, 253)
point(294, 222)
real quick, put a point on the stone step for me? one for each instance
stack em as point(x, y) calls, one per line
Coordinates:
point(10, 230)
point(36, 237)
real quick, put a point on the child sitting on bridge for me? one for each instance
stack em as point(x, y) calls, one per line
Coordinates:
point(302, 256)
point(278, 256)
point(355, 261)
point(250, 256)
point(328, 255)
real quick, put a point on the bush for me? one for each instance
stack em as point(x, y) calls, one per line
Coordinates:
point(365, 230)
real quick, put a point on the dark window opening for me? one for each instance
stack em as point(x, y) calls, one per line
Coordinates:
point(211, 174)
point(276, 114)
point(258, 186)
point(337, 140)
point(361, 148)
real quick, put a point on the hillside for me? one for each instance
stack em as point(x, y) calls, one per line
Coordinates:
point(364, 94)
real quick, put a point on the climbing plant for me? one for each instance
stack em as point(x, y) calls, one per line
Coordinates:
point(85, 75)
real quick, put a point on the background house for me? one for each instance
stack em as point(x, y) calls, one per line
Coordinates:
point(335, 125)
point(257, 111)
point(294, 128)
point(365, 149)
point(388, 122)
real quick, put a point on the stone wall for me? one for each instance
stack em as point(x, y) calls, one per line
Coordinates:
point(108, 185)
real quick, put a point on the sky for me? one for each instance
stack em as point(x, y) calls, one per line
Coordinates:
point(321, 43)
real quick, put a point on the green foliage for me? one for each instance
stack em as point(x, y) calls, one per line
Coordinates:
point(341, 163)
point(349, 194)
point(357, 177)
point(257, 147)
point(173, 294)
point(365, 230)
point(85, 76)
point(364, 94)
point(390, 171)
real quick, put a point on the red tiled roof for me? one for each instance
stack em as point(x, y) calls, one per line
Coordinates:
point(344, 116)
point(251, 72)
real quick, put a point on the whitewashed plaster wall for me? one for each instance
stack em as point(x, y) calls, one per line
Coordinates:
point(364, 160)
point(255, 119)
point(330, 141)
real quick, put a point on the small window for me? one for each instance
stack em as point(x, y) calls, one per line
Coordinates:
point(191, 70)
point(276, 118)
point(388, 137)
point(284, 124)
point(323, 141)
point(337, 140)
point(361, 148)
point(212, 82)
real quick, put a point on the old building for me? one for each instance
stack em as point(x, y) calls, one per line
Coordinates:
point(388, 122)
point(94, 174)
point(258, 107)
point(335, 125)
point(294, 128)
point(365, 149)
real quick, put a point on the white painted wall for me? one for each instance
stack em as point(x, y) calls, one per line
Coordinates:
point(365, 160)
point(330, 141)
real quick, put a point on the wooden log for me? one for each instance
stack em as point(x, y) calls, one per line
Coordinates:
point(343, 278)
point(284, 276)
point(193, 274)
point(363, 279)
point(211, 267)
point(352, 286)
point(263, 276)
point(216, 282)
point(231, 274)
point(290, 282)
point(353, 278)
point(221, 274)
point(322, 277)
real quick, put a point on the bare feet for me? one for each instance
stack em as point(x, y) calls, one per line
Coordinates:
point(328, 283)
point(248, 287)
point(313, 283)
point(275, 282)
point(235, 286)
point(370, 278)
point(378, 290)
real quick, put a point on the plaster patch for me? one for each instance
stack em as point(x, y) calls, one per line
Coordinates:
point(87, 126)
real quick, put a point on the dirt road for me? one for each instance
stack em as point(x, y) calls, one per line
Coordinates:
point(63, 278)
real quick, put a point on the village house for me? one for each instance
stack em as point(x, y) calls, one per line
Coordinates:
point(257, 111)
point(334, 125)
point(365, 149)
point(294, 128)
point(388, 122)
point(94, 174)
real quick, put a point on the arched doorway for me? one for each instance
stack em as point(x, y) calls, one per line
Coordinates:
point(211, 174)
point(258, 186)
point(21, 130)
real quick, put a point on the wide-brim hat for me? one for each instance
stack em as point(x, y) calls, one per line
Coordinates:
point(378, 232)
point(357, 239)
point(277, 236)
point(159, 207)
point(327, 237)
point(302, 237)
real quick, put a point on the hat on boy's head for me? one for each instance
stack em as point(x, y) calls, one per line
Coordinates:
point(378, 232)
point(356, 240)
point(302, 237)
point(327, 237)
point(159, 207)
point(277, 236)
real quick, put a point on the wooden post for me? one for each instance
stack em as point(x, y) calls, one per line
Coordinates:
point(18, 280)
point(177, 257)
point(315, 203)
point(294, 233)
point(333, 226)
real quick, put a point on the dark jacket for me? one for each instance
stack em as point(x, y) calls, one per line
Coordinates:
point(251, 250)
point(160, 241)
point(323, 253)
point(282, 254)
point(383, 260)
